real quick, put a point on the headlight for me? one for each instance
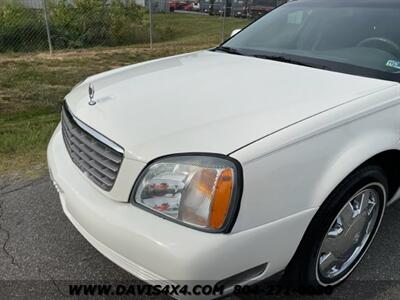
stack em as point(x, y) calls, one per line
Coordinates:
point(197, 190)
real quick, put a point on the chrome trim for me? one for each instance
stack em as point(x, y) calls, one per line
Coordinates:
point(95, 155)
point(96, 134)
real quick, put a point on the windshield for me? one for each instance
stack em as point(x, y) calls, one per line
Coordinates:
point(360, 37)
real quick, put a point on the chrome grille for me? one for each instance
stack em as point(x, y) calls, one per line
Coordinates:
point(96, 156)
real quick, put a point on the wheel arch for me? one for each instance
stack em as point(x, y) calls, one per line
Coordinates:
point(388, 159)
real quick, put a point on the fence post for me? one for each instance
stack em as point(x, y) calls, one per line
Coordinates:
point(223, 23)
point(46, 18)
point(150, 26)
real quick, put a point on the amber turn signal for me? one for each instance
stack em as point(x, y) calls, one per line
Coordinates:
point(222, 198)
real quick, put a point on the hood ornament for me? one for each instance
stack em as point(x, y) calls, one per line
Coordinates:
point(91, 94)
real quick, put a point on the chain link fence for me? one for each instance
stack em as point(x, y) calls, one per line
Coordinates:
point(35, 25)
point(40, 25)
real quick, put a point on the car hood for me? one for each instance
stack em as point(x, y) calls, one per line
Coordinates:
point(208, 101)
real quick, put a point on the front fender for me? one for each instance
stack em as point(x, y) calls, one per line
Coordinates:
point(296, 169)
point(353, 154)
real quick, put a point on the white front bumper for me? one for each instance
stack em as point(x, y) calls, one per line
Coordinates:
point(155, 249)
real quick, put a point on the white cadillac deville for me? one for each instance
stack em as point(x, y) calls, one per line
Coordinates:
point(283, 159)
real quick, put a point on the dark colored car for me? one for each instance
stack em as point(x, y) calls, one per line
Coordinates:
point(258, 8)
point(240, 8)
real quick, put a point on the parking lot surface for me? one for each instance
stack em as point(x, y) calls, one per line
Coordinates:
point(42, 253)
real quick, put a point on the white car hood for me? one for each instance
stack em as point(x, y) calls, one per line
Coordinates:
point(208, 101)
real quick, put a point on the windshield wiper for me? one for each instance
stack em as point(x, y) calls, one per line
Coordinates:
point(229, 50)
point(289, 61)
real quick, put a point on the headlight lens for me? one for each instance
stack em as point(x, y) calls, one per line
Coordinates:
point(200, 191)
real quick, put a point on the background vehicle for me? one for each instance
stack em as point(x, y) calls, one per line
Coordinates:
point(196, 6)
point(217, 8)
point(180, 5)
point(205, 6)
point(258, 8)
point(240, 8)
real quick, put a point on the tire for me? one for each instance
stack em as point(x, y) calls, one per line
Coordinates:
point(317, 262)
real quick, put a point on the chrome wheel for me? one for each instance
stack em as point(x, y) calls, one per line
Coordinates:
point(350, 234)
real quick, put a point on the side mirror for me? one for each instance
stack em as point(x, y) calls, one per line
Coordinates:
point(236, 31)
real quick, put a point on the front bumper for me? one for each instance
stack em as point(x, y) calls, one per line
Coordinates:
point(157, 250)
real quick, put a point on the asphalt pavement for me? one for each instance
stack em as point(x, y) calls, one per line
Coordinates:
point(41, 253)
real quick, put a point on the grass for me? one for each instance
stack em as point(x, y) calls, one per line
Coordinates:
point(32, 85)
